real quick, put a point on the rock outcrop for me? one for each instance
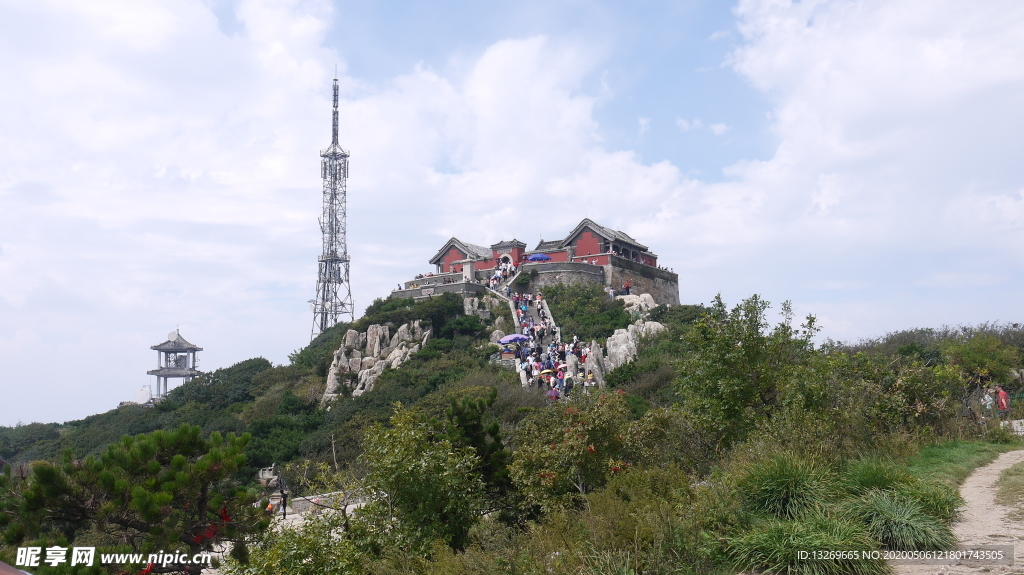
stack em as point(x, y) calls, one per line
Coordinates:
point(481, 306)
point(369, 353)
point(638, 304)
point(595, 363)
point(621, 349)
point(622, 345)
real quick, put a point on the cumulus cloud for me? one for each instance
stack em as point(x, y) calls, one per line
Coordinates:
point(893, 121)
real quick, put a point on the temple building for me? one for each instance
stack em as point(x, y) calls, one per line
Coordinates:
point(590, 253)
point(175, 358)
point(587, 241)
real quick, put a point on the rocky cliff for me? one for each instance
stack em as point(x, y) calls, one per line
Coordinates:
point(621, 349)
point(369, 353)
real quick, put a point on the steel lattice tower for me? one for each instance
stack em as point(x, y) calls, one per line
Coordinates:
point(333, 290)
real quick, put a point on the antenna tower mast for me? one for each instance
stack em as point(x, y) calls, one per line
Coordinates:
point(333, 289)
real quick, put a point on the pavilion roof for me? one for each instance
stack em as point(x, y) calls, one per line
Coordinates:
point(176, 343)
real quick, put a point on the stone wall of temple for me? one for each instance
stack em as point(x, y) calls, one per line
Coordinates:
point(663, 285)
point(426, 291)
point(554, 273)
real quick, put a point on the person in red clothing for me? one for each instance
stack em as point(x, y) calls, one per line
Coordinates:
point(1002, 402)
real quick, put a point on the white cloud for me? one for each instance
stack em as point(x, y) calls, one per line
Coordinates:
point(687, 125)
point(171, 177)
point(643, 125)
point(893, 120)
point(189, 196)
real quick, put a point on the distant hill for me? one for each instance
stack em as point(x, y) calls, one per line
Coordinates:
point(278, 405)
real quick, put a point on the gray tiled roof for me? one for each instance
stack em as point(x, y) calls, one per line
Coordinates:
point(513, 243)
point(478, 251)
point(472, 251)
point(608, 233)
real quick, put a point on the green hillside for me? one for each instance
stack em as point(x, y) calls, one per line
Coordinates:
point(728, 443)
point(278, 405)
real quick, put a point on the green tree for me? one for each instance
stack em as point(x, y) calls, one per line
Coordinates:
point(163, 491)
point(422, 487)
point(465, 427)
point(983, 359)
point(571, 448)
point(740, 366)
point(585, 310)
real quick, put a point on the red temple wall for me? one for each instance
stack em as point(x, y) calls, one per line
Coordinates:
point(559, 256)
point(453, 255)
point(588, 243)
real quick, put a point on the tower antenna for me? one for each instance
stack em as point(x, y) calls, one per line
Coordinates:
point(333, 289)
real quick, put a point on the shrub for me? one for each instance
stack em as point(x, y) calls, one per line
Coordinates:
point(773, 546)
point(571, 448)
point(669, 525)
point(786, 485)
point(1000, 434)
point(312, 547)
point(637, 405)
point(900, 522)
point(585, 310)
point(669, 437)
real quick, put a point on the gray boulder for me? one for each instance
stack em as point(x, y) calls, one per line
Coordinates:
point(402, 334)
point(352, 339)
point(377, 338)
point(595, 363)
point(621, 348)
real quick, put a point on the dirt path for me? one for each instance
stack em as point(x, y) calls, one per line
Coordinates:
point(982, 522)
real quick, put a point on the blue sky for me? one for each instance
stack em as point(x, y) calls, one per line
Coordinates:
point(659, 62)
point(159, 162)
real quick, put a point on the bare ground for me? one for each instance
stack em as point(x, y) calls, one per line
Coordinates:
point(982, 522)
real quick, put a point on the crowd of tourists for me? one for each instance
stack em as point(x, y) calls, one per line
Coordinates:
point(546, 365)
point(502, 272)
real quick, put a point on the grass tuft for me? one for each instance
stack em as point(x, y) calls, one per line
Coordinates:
point(939, 501)
point(869, 473)
point(1010, 490)
point(786, 486)
point(900, 522)
point(773, 546)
